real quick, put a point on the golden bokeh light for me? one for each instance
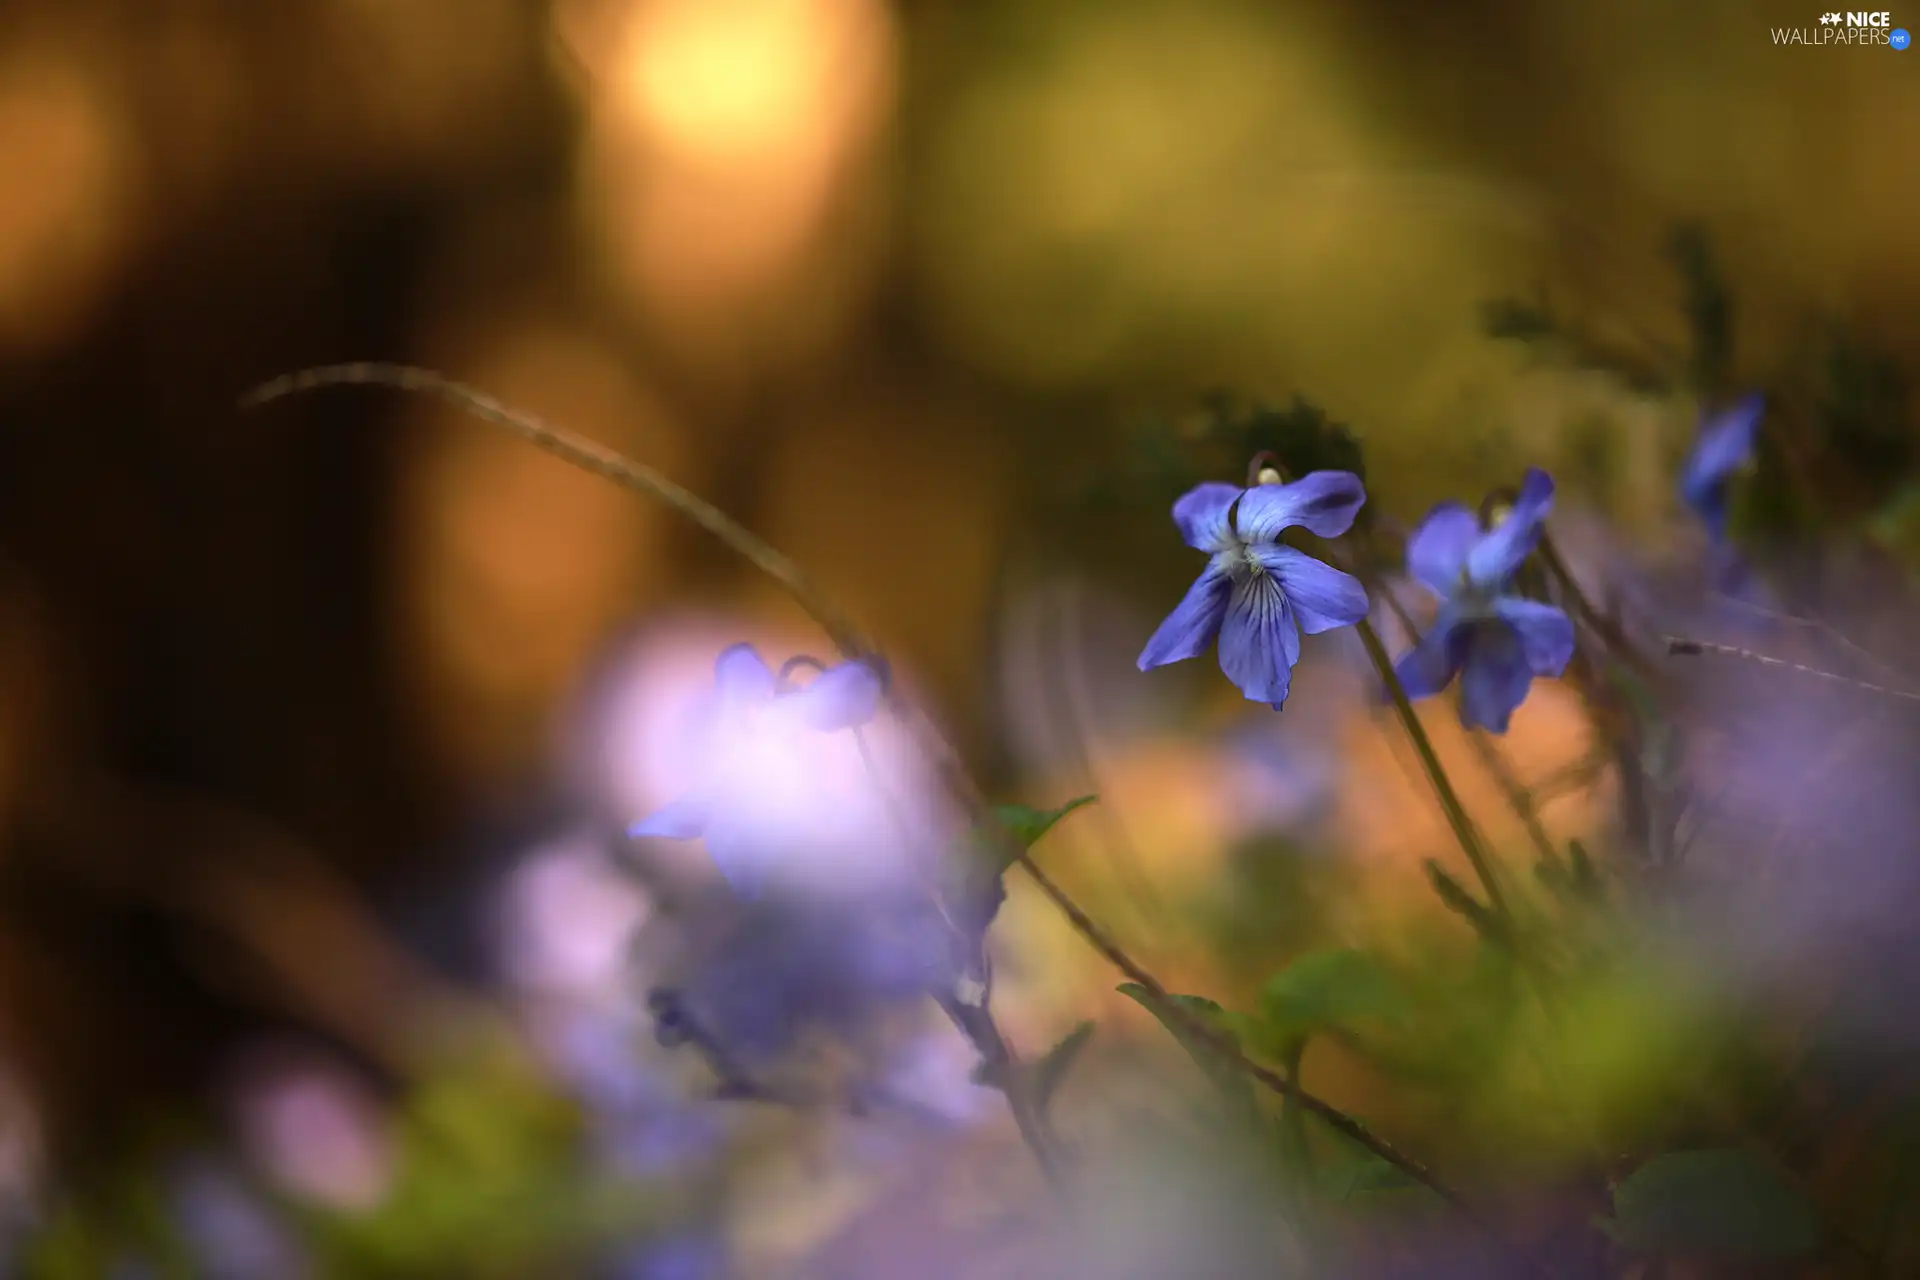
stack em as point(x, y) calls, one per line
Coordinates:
point(732, 82)
point(724, 137)
point(66, 183)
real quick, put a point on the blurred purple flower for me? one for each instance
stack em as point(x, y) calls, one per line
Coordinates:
point(673, 1136)
point(764, 785)
point(1725, 444)
point(643, 1125)
point(932, 1075)
point(316, 1131)
point(565, 919)
point(689, 1256)
point(1279, 781)
point(1257, 595)
point(785, 967)
point(230, 1231)
point(1495, 642)
point(23, 1163)
point(596, 1052)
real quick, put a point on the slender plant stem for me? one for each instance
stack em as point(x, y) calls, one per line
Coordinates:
point(1859, 651)
point(974, 1017)
point(1456, 813)
point(1228, 1047)
point(1292, 1121)
point(1518, 796)
point(1008, 1074)
point(1682, 646)
point(962, 787)
point(847, 638)
point(1618, 642)
point(588, 456)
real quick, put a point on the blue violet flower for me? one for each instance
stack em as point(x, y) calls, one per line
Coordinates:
point(1257, 595)
point(1496, 642)
point(1724, 446)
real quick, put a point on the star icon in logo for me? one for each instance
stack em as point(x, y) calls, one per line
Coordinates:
point(1829, 19)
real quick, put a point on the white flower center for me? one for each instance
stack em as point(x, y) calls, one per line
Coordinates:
point(1239, 562)
point(1471, 600)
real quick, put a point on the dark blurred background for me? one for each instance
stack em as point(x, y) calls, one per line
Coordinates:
point(880, 279)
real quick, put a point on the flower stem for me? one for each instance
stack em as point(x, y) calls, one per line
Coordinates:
point(1293, 1123)
point(1229, 1048)
point(1606, 627)
point(588, 456)
point(1014, 1082)
point(1456, 812)
point(1522, 800)
point(1686, 647)
point(974, 1018)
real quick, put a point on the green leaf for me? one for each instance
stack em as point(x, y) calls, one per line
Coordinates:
point(1052, 1067)
point(1896, 529)
point(1225, 1075)
point(490, 1182)
point(1028, 825)
point(1717, 1202)
point(1368, 1175)
point(1327, 989)
point(985, 853)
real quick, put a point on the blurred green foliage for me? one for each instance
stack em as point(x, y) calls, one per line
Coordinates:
point(491, 1179)
point(1837, 453)
point(491, 1182)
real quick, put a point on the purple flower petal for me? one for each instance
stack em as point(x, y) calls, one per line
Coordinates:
point(742, 677)
point(685, 1257)
point(685, 819)
point(1201, 514)
point(1725, 442)
point(1193, 624)
point(741, 848)
point(1724, 446)
point(838, 698)
point(1431, 665)
point(1437, 551)
point(1546, 633)
point(1497, 556)
point(1322, 596)
point(1322, 502)
point(1496, 678)
point(1259, 640)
